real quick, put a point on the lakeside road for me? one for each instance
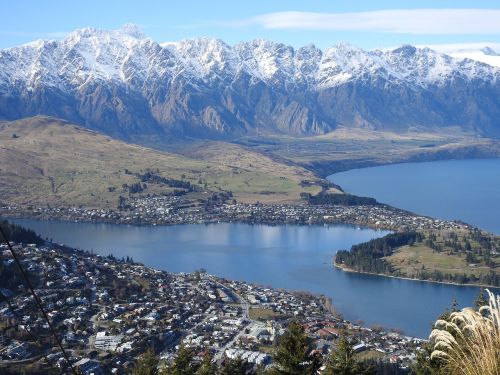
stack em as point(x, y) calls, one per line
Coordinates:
point(245, 306)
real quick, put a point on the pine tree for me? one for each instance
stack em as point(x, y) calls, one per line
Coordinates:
point(342, 361)
point(182, 364)
point(481, 299)
point(206, 367)
point(147, 364)
point(292, 354)
point(424, 365)
point(235, 366)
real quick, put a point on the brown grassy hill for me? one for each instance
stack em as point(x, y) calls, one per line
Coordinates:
point(44, 160)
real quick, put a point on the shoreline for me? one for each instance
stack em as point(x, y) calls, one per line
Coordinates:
point(206, 222)
point(336, 265)
point(350, 270)
point(377, 217)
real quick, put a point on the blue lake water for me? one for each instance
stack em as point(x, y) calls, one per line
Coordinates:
point(285, 256)
point(466, 190)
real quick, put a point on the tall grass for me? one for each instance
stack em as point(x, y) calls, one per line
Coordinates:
point(469, 343)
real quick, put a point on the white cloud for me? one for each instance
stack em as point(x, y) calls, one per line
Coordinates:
point(403, 21)
point(486, 52)
point(462, 47)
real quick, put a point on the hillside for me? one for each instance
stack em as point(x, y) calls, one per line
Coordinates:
point(124, 84)
point(458, 256)
point(251, 171)
point(46, 161)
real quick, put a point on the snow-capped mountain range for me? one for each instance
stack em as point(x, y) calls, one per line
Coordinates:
point(127, 85)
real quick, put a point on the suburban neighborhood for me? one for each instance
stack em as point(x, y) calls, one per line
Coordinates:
point(109, 311)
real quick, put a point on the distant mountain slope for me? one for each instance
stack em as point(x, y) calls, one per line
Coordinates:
point(49, 161)
point(126, 85)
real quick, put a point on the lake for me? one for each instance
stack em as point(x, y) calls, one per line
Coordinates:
point(283, 256)
point(466, 190)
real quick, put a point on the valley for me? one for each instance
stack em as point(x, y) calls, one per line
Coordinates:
point(347, 148)
point(267, 189)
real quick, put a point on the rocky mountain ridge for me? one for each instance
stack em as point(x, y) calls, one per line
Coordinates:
point(124, 84)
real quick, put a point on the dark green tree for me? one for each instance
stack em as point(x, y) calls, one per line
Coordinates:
point(206, 367)
point(147, 364)
point(183, 363)
point(454, 305)
point(423, 364)
point(481, 299)
point(292, 353)
point(235, 366)
point(342, 361)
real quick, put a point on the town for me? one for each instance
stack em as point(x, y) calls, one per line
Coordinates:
point(109, 311)
point(165, 210)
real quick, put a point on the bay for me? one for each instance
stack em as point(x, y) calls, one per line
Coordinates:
point(282, 256)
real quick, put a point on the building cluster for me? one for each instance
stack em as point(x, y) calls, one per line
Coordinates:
point(378, 216)
point(164, 210)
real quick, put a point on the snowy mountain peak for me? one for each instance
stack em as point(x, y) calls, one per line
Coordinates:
point(406, 50)
point(486, 53)
point(127, 55)
point(126, 31)
point(132, 30)
point(121, 77)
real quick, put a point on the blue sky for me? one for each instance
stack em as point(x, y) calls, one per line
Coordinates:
point(367, 24)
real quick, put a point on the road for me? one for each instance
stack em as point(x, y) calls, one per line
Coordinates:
point(245, 307)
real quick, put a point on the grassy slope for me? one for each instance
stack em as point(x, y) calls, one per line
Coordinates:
point(260, 177)
point(54, 162)
point(410, 259)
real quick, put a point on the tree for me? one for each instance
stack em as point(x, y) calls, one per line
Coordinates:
point(342, 361)
point(481, 299)
point(292, 354)
point(454, 305)
point(147, 364)
point(424, 365)
point(445, 315)
point(182, 364)
point(206, 367)
point(235, 366)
